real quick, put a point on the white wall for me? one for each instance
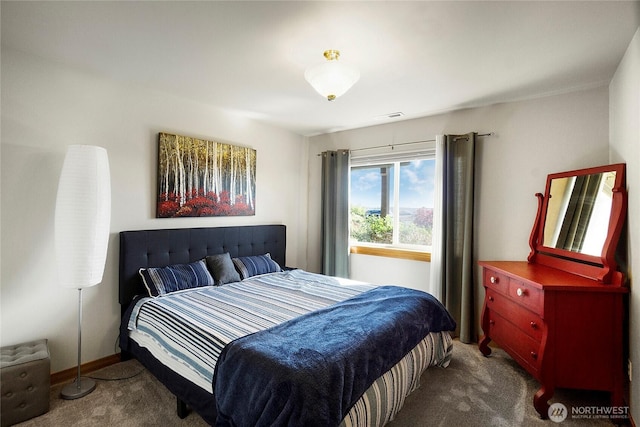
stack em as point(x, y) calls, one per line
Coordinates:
point(533, 138)
point(624, 111)
point(390, 271)
point(46, 107)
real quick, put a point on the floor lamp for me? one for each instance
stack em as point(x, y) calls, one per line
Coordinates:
point(83, 213)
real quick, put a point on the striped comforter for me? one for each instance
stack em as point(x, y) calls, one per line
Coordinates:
point(187, 330)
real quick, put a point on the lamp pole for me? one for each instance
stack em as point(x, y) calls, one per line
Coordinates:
point(81, 387)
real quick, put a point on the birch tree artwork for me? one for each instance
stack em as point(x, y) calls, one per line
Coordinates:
point(204, 178)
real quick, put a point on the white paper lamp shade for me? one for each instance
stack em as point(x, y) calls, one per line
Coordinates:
point(83, 213)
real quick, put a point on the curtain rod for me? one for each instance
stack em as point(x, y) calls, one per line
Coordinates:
point(412, 142)
point(416, 142)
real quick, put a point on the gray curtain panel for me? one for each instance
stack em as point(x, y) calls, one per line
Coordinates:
point(335, 213)
point(457, 232)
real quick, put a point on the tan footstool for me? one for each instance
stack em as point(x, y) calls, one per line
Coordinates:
point(25, 379)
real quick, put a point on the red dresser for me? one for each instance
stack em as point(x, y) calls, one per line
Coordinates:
point(564, 329)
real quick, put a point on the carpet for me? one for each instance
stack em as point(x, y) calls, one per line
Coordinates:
point(487, 391)
point(472, 391)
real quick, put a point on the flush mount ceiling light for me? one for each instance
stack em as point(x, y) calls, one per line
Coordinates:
point(332, 78)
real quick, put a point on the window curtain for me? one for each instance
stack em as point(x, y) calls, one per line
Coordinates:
point(335, 213)
point(435, 282)
point(452, 277)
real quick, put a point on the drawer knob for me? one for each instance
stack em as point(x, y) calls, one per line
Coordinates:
point(492, 322)
point(534, 355)
point(521, 292)
point(534, 325)
point(494, 280)
point(490, 298)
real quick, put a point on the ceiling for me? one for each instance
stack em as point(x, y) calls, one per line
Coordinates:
point(419, 58)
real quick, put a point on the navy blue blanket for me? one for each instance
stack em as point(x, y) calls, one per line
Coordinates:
point(311, 370)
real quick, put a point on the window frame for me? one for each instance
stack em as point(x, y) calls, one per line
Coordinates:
point(391, 252)
point(397, 250)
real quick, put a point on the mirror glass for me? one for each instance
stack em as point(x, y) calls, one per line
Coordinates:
point(578, 212)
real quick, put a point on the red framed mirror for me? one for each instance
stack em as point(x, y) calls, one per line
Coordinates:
point(579, 221)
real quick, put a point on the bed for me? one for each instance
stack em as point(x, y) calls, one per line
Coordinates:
point(277, 346)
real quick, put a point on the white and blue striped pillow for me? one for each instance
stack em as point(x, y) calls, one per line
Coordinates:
point(164, 280)
point(249, 266)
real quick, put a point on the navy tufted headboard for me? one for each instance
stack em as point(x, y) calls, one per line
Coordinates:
point(159, 248)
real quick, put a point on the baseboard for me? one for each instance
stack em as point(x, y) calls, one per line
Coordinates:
point(85, 368)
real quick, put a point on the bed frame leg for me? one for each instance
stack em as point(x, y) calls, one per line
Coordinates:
point(181, 408)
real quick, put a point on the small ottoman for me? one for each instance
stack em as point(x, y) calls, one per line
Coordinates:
point(25, 379)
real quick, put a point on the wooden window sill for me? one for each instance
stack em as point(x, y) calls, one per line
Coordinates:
point(409, 254)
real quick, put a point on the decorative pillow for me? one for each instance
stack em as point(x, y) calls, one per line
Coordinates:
point(164, 280)
point(222, 269)
point(249, 266)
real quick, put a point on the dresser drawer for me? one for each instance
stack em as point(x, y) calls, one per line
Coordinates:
point(521, 347)
point(525, 320)
point(495, 280)
point(526, 295)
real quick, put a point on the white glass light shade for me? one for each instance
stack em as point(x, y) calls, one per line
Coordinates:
point(332, 78)
point(83, 213)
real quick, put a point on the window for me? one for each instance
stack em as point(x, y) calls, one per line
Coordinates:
point(391, 203)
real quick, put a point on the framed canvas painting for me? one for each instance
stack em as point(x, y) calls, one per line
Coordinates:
point(197, 177)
